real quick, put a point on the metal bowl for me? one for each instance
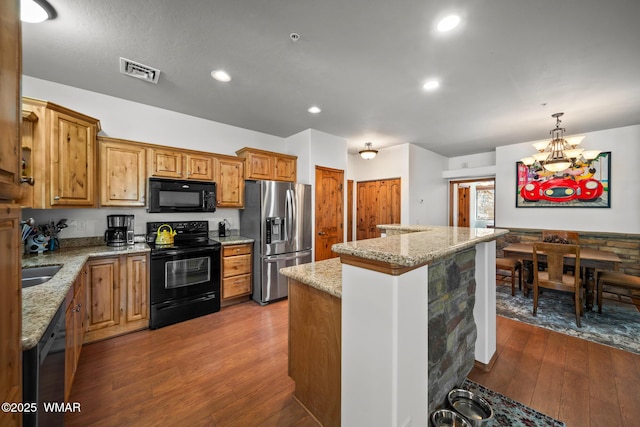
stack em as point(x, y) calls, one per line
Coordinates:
point(471, 406)
point(448, 418)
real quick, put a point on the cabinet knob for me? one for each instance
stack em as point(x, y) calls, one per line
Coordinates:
point(142, 199)
point(56, 198)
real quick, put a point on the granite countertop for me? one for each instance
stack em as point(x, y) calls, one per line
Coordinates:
point(40, 302)
point(233, 240)
point(417, 248)
point(323, 275)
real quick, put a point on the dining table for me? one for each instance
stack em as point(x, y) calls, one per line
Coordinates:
point(590, 260)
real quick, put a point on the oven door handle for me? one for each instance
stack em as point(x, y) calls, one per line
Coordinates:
point(186, 252)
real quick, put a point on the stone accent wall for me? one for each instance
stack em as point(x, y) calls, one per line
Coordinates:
point(626, 246)
point(452, 329)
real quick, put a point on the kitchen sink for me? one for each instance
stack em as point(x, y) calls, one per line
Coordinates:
point(32, 276)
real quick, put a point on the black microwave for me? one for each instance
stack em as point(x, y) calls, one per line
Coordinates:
point(172, 195)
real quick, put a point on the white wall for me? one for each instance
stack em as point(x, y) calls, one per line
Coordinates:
point(428, 191)
point(315, 148)
point(120, 118)
point(622, 217)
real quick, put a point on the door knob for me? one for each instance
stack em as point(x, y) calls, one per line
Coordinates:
point(322, 233)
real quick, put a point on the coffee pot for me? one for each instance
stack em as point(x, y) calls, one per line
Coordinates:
point(164, 235)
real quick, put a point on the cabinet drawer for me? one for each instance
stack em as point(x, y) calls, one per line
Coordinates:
point(236, 250)
point(235, 286)
point(235, 265)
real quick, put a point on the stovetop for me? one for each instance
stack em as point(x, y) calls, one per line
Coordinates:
point(189, 234)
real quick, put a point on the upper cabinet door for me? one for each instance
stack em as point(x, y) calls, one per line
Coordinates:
point(285, 169)
point(259, 166)
point(230, 182)
point(10, 73)
point(73, 161)
point(123, 173)
point(200, 167)
point(166, 163)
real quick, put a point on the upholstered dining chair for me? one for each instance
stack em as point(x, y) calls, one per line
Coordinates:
point(554, 277)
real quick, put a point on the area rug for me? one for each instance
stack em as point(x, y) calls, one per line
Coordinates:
point(509, 413)
point(618, 326)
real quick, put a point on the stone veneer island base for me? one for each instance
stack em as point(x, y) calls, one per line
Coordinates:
point(381, 336)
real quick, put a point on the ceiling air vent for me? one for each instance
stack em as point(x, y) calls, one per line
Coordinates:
point(139, 71)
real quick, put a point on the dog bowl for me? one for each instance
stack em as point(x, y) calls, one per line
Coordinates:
point(448, 418)
point(471, 406)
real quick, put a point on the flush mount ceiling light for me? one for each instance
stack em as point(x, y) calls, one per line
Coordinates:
point(314, 110)
point(560, 153)
point(448, 23)
point(221, 76)
point(431, 85)
point(36, 11)
point(368, 152)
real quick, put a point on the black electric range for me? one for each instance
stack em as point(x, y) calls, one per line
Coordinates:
point(185, 275)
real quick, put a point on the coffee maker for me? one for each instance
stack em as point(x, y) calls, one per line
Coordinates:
point(120, 230)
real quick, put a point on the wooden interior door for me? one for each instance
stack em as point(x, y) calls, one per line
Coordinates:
point(329, 211)
point(463, 206)
point(378, 203)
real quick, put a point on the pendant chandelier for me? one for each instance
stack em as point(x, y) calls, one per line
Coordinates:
point(560, 153)
point(368, 152)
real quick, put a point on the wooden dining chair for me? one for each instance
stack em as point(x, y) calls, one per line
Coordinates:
point(562, 236)
point(554, 277)
point(570, 236)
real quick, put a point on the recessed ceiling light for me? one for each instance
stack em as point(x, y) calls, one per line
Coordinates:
point(314, 110)
point(431, 85)
point(221, 76)
point(448, 23)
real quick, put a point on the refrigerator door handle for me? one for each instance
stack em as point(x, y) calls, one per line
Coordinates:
point(287, 258)
point(289, 207)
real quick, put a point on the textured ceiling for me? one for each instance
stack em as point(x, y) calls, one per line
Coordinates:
point(504, 71)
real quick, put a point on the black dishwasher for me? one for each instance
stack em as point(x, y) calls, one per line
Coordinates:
point(43, 374)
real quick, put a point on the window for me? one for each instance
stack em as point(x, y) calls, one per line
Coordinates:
point(484, 203)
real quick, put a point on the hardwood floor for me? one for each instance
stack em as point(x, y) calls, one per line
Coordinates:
point(224, 369)
point(230, 369)
point(579, 382)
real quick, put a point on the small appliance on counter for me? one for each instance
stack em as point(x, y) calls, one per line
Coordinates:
point(224, 228)
point(120, 230)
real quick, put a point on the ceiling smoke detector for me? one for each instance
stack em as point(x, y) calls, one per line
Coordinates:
point(139, 71)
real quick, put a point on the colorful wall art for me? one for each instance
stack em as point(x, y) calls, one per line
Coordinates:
point(585, 185)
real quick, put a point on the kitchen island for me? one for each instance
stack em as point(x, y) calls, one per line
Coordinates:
point(401, 345)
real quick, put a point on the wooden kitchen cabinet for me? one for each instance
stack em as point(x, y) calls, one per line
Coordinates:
point(10, 309)
point(123, 173)
point(229, 182)
point(11, 73)
point(200, 167)
point(136, 302)
point(236, 273)
point(117, 296)
point(180, 164)
point(268, 165)
point(63, 155)
point(75, 329)
point(165, 163)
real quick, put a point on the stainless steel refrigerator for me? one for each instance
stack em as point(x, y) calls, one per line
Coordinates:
point(277, 215)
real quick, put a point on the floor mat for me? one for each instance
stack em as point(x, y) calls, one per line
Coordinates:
point(618, 326)
point(509, 413)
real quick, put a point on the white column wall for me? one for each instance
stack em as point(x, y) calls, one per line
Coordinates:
point(384, 348)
